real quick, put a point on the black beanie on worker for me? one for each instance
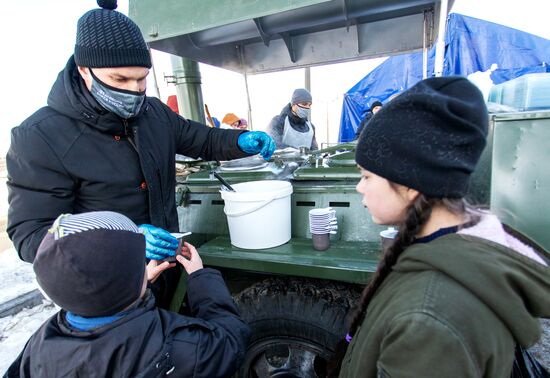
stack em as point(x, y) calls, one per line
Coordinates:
point(429, 138)
point(107, 38)
point(92, 264)
point(375, 104)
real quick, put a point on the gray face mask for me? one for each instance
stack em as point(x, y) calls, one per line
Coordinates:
point(303, 113)
point(126, 104)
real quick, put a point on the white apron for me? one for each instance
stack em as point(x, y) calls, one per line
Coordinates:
point(295, 138)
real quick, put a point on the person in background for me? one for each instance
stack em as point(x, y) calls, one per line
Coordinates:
point(231, 121)
point(102, 144)
point(172, 103)
point(374, 108)
point(293, 127)
point(456, 291)
point(109, 326)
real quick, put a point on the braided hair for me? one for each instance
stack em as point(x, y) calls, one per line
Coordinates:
point(417, 214)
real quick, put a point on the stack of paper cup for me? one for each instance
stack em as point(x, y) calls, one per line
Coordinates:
point(322, 223)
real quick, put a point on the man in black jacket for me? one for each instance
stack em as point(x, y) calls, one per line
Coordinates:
point(101, 144)
point(109, 326)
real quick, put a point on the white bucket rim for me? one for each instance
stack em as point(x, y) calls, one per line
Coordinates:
point(284, 190)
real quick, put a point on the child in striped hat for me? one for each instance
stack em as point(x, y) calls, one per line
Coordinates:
point(93, 266)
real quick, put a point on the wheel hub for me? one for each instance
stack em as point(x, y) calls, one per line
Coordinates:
point(286, 358)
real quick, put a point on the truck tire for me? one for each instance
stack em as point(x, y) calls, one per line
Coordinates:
point(296, 324)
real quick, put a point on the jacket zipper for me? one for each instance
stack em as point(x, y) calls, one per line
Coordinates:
point(134, 141)
point(130, 137)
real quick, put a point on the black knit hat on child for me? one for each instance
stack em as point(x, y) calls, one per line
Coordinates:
point(107, 38)
point(92, 264)
point(429, 138)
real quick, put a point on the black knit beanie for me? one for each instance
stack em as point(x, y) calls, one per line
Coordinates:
point(428, 138)
point(107, 38)
point(375, 104)
point(92, 264)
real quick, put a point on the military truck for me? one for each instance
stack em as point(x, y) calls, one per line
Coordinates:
point(294, 297)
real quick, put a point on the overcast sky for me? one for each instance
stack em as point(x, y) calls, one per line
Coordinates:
point(38, 38)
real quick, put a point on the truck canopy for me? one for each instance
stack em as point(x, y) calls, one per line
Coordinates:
point(264, 36)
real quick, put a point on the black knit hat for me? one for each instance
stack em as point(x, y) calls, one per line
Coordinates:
point(375, 104)
point(107, 38)
point(429, 138)
point(92, 264)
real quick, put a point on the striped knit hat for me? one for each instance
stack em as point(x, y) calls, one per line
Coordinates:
point(92, 264)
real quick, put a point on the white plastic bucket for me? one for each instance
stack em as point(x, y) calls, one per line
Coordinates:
point(258, 213)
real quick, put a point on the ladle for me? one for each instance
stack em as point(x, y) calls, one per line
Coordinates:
point(222, 180)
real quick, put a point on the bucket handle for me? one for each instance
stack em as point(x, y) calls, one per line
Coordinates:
point(249, 210)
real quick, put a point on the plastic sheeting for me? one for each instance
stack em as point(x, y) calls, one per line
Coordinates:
point(471, 45)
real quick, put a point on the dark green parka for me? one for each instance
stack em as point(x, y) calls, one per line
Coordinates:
point(453, 307)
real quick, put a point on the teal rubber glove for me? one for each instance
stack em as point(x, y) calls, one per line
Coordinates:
point(159, 244)
point(257, 142)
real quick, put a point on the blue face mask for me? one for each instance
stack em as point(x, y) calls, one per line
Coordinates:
point(303, 113)
point(126, 104)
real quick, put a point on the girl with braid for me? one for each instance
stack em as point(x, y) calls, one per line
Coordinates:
point(455, 292)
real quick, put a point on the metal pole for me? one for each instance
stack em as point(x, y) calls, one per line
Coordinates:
point(307, 78)
point(328, 128)
point(440, 44)
point(156, 89)
point(250, 125)
point(425, 47)
point(188, 88)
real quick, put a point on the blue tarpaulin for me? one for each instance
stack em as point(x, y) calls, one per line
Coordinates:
point(471, 45)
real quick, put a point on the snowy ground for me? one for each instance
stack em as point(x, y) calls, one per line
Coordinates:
point(542, 349)
point(15, 331)
point(17, 279)
point(17, 276)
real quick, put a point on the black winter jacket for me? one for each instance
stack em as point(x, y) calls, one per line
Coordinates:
point(277, 126)
point(363, 123)
point(73, 156)
point(148, 342)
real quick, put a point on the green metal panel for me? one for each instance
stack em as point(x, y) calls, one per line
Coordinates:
point(250, 36)
point(332, 173)
point(201, 211)
point(354, 220)
point(520, 185)
point(479, 192)
point(343, 261)
point(159, 20)
point(203, 178)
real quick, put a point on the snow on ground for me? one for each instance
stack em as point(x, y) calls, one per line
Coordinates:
point(15, 330)
point(17, 276)
point(541, 350)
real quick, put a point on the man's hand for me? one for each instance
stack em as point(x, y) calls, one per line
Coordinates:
point(254, 142)
point(159, 243)
point(192, 261)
